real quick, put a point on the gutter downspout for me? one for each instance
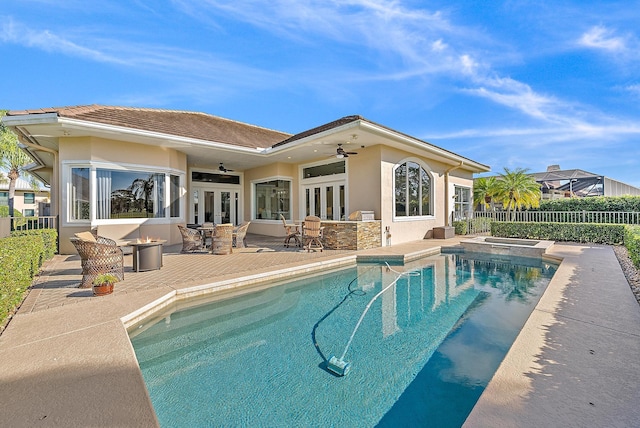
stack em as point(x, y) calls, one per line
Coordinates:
point(446, 192)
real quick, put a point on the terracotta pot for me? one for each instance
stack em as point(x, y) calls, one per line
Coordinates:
point(102, 290)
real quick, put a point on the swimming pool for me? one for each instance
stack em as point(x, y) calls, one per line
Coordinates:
point(424, 352)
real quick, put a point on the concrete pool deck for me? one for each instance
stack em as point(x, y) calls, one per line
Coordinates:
point(67, 360)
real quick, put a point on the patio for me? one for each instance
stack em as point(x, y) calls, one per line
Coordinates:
point(57, 285)
point(67, 359)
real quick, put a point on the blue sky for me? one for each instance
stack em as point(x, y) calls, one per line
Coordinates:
point(506, 83)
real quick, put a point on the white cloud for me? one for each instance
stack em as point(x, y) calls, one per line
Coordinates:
point(599, 37)
point(17, 33)
point(438, 45)
point(191, 67)
point(634, 89)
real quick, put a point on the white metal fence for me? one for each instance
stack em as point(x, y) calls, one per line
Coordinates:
point(7, 224)
point(562, 216)
point(480, 222)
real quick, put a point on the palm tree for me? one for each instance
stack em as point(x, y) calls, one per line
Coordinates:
point(518, 189)
point(485, 192)
point(13, 160)
point(142, 189)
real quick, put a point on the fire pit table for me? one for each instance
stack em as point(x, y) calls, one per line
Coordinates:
point(147, 254)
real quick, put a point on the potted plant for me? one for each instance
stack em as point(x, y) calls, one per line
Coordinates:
point(103, 284)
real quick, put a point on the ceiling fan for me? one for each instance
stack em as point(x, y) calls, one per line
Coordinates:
point(341, 153)
point(223, 169)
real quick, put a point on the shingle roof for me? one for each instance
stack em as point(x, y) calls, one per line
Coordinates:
point(321, 128)
point(196, 125)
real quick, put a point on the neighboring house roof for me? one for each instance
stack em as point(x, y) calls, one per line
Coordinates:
point(21, 184)
point(568, 174)
point(196, 125)
point(580, 182)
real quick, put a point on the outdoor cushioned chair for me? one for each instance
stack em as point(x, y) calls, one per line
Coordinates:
point(222, 240)
point(291, 232)
point(240, 235)
point(312, 233)
point(98, 255)
point(192, 240)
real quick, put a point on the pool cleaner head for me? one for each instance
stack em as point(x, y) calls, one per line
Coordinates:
point(338, 366)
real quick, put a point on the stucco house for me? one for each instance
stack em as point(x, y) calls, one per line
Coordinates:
point(139, 172)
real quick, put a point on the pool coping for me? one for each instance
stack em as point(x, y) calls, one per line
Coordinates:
point(58, 363)
point(573, 363)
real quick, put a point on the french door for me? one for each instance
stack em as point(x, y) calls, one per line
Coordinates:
point(325, 200)
point(215, 205)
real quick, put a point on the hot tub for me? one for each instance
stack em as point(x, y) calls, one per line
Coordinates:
point(507, 246)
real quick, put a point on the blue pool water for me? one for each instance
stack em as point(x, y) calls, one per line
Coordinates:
point(423, 354)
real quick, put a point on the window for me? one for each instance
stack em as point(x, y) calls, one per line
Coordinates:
point(4, 198)
point(29, 198)
point(208, 177)
point(463, 203)
point(272, 198)
point(79, 194)
point(412, 190)
point(28, 212)
point(174, 195)
point(129, 194)
point(324, 170)
point(121, 194)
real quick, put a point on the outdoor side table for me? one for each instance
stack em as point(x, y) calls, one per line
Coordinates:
point(147, 255)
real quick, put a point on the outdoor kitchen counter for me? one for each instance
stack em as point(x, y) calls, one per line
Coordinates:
point(351, 235)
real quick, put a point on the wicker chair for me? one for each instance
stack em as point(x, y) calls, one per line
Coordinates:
point(98, 256)
point(240, 235)
point(192, 240)
point(312, 233)
point(222, 240)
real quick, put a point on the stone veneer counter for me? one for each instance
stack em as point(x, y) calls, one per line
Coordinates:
point(352, 235)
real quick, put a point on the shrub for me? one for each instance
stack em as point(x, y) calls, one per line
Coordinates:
point(460, 227)
point(611, 234)
point(49, 238)
point(476, 225)
point(4, 211)
point(20, 260)
point(596, 203)
point(21, 256)
point(632, 242)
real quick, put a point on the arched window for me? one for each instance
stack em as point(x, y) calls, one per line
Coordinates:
point(412, 190)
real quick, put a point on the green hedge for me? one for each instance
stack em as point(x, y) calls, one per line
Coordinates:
point(49, 237)
point(632, 242)
point(461, 227)
point(596, 203)
point(611, 234)
point(21, 256)
point(476, 225)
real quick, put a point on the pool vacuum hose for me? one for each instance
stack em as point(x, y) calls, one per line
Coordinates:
point(338, 365)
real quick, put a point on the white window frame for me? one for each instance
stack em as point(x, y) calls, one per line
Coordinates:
point(253, 198)
point(322, 182)
point(469, 204)
point(94, 166)
point(432, 208)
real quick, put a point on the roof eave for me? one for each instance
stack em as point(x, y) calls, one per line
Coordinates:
point(30, 119)
point(454, 159)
